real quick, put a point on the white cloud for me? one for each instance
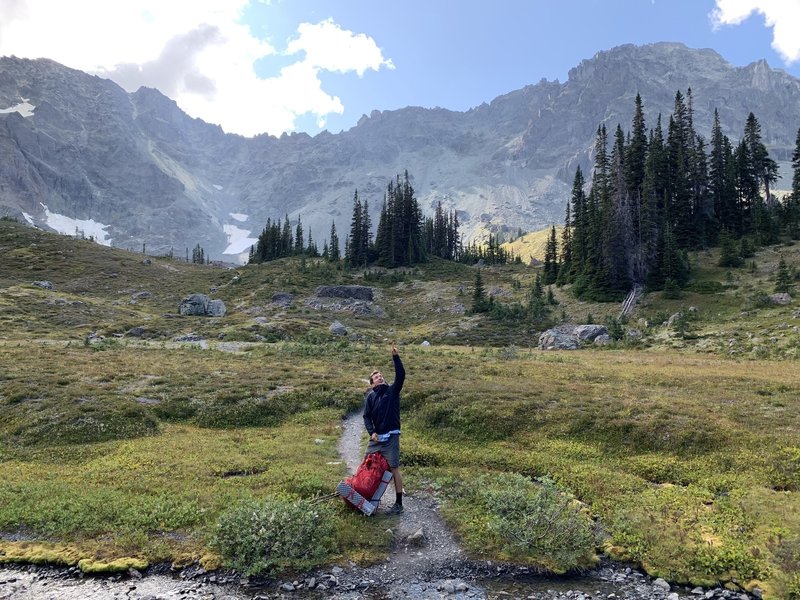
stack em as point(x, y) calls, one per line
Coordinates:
point(783, 16)
point(195, 51)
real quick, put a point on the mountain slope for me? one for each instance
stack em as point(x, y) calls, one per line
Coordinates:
point(91, 155)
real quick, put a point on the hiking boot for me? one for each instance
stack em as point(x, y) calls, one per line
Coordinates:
point(397, 509)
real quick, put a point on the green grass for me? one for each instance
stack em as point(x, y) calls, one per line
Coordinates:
point(682, 447)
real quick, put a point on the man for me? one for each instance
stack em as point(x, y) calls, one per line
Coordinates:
point(382, 420)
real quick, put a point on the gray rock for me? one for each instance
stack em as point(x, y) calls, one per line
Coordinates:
point(136, 331)
point(355, 292)
point(45, 285)
point(698, 591)
point(589, 332)
point(781, 299)
point(417, 538)
point(336, 328)
point(603, 340)
point(661, 585)
point(674, 317)
point(201, 305)
point(193, 305)
point(282, 299)
point(425, 343)
point(553, 339)
point(141, 295)
point(216, 308)
point(633, 334)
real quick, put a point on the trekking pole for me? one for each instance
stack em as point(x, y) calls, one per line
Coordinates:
point(325, 497)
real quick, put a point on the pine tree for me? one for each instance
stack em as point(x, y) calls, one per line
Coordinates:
point(728, 252)
point(783, 278)
point(479, 301)
point(551, 258)
point(334, 244)
point(299, 244)
point(793, 208)
point(354, 255)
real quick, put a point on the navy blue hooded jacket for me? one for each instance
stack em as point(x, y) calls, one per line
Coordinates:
point(382, 405)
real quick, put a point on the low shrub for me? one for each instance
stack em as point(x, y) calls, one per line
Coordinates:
point(274, 534)
point(526, 521)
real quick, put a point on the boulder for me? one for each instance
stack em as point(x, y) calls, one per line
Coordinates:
point(216, 308)
point(45, 285)
point(589, 332)
point(282, 299)
point(202, 306)
point(781, 299)
point(553, 339)
point(356, 292)
point(603, 340)
point(633, 334)
point(337, 328)
point(141, 295)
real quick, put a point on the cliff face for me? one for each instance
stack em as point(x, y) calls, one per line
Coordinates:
point(137, 164)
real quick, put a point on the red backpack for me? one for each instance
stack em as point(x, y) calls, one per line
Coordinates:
point(364, 489)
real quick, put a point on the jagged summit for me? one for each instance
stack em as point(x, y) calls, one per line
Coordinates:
point(136, 164)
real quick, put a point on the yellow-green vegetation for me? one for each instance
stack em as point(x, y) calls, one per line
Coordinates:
point(533, 244)
point(682, 447)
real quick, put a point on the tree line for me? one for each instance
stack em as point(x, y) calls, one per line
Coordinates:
point(403, 237)
point(654, 196)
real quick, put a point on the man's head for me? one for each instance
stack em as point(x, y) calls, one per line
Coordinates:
point(376, 379)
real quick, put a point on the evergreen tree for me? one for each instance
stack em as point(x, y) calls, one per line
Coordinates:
point(354, 254)
point(783, 278)
point(793, 202)
point(551, 258)
point(479, 301)
point(728, 252)
point(764, 168)
point(198, 255)
point(335, 256)
point(299, 243)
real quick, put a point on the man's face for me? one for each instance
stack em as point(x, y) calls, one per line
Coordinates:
point(377, 379)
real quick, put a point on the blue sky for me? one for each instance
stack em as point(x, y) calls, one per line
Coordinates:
point(458, 54)
point(303, 65)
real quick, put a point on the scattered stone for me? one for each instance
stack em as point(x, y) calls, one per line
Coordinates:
point(147, 261)
point(780, 299)
point(603, 340)
point(589, 332)
point(458, 309)
point(45, 285)
point(134, 573)
point(661, 584)
point(425, 343)
point(287, 587)
point(189, 337)
point(141, 295)
point(336, 328)
point(417, 538)
point(202, 306)
point(282, 299)
point(671, 321)
point(698, 591)
point(136, 331)
point(633, 334)
point(553, 339)
point(356, 292)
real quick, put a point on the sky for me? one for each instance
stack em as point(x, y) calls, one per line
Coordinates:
point(275, 66)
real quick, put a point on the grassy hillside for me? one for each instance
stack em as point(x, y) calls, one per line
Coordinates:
point(532, 245)
point(126, 445)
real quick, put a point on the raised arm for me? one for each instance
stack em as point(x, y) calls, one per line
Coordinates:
point(399, 371)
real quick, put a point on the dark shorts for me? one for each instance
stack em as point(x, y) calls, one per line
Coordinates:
point(390, 450)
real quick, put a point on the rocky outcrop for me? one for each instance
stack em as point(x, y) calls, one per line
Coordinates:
point(153, 175)
point(200, 305)
point(588, 333)
point(554, 339)
point(354, 292)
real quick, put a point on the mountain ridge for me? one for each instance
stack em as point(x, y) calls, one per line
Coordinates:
point(156, 176)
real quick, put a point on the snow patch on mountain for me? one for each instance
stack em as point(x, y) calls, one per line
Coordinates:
point(88, 228)
point(24, 108)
